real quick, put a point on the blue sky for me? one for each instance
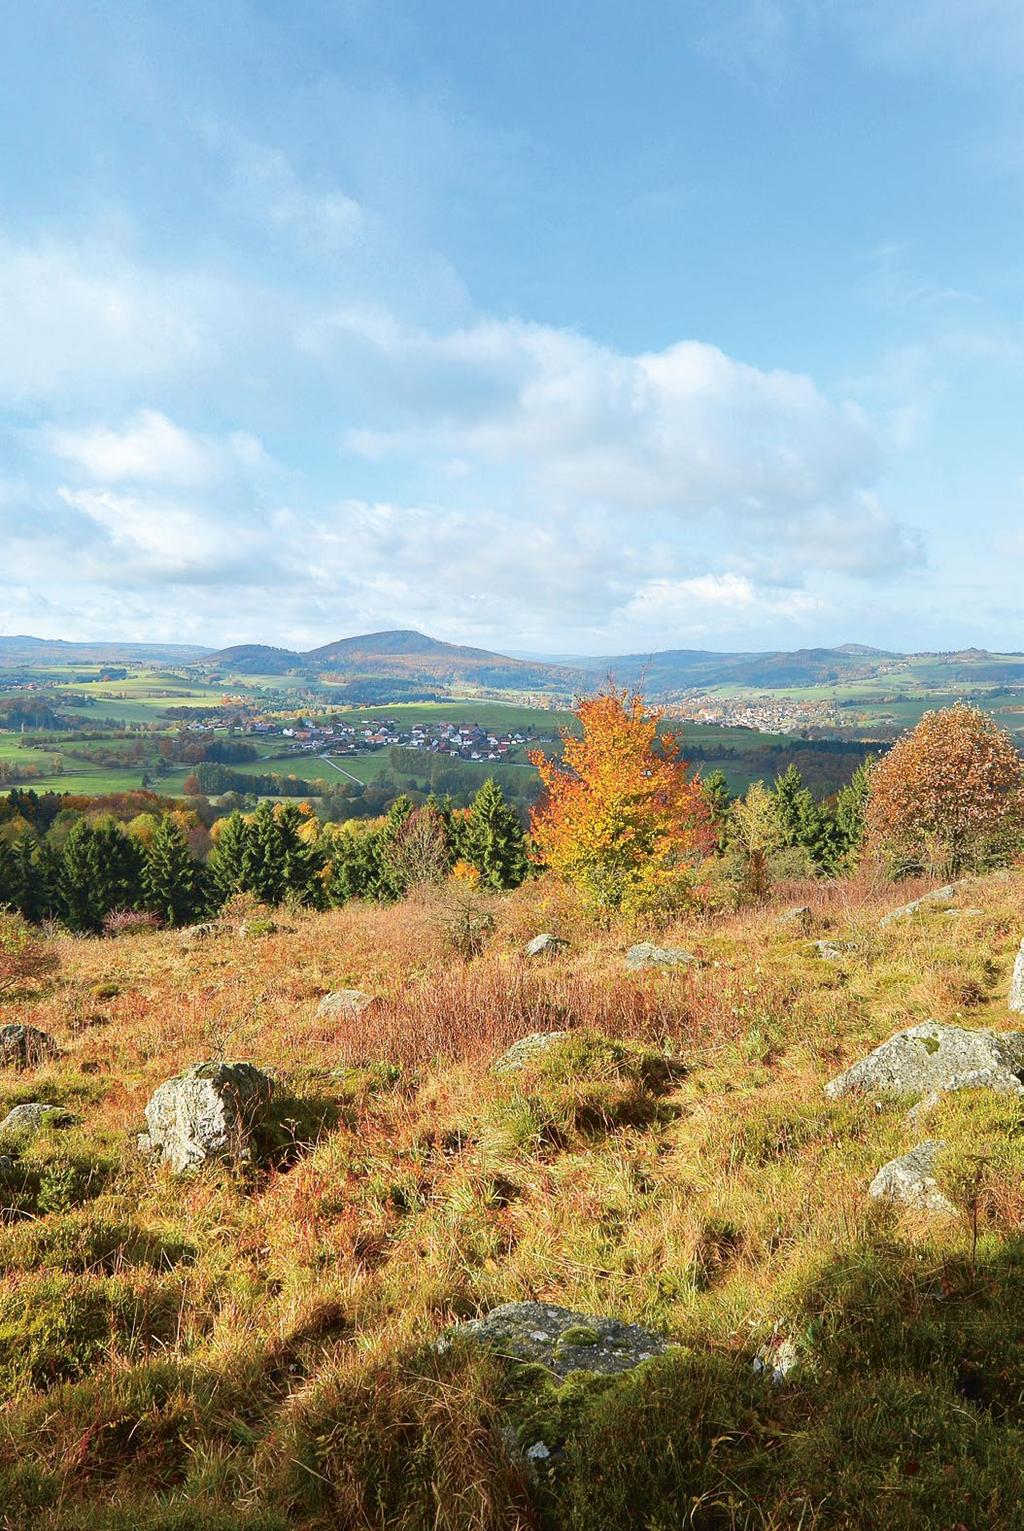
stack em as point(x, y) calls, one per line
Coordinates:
point(584, 327)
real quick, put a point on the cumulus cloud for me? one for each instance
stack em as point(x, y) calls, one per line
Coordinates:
point(697, 605)
point(151, 448)
point(73, 314)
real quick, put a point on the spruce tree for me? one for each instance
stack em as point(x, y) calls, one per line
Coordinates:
point(100, 870)
point(10, 882)
point(493, 840)
point(171, 879)
point(227, 860)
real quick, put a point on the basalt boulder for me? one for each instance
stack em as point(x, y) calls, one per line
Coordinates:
point(207, 1113)
point(932, 1057)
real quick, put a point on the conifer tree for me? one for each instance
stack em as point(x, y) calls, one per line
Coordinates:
point(227, 861)
point(100, 870)
point(172, 881)
point(493, 840)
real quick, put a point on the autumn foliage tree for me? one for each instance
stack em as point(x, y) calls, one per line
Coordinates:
point(621, 818)
point(949, 795)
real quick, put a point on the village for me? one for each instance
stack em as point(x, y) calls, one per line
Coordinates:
point(458, 741)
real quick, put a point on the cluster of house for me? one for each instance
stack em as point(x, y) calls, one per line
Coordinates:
point(461, 741)
point(767, 714)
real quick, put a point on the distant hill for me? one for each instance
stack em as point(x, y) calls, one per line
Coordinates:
point(21, 650)
point(402, 655)
point(255, 659)
point(680, 669)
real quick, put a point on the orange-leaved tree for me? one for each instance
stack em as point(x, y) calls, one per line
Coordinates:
point(949, 794)
point(621, 818)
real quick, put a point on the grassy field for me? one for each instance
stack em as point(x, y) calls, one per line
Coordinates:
point(256, 1347)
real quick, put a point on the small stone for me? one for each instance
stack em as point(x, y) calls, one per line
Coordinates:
point(1017, 983)
point(800, 915)
point(28, 1118)
point(646, 955)
point(831, 951)
point(962, 914)
point(932, 1056)
point(347, 1002)
point(192, 934)
point(938, 896)
point(526, 1049)
point(911, 1181)
point(538, 1452)
point(563, 1341)
point(546, 945)
point(22, 1046)
point(779, 1357)
point(206, 1113)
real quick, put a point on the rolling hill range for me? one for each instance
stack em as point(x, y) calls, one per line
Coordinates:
point(413, 657)
point(403, 655)
point(21, 650)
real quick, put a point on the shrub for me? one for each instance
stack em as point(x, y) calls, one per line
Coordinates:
point(24, 958)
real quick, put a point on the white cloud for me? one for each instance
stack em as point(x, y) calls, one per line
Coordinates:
point(704, 603)
point(150, 448)
point(72, 315)
point(323, 219)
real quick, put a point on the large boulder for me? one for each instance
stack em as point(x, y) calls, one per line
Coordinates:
point(26, 1120)
point(646, 955)
point(910, 1179)
point(933, 1057)
point(545, 945)
point(563, 1341)
point(22, 1046)
point(938, 898)
point(1017, 983)
point(206, 1113)
point(526, 1049)
point(347, 1002)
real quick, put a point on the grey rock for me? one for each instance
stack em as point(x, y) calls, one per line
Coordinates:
point(526, 1049)
point(206, 1113)
point(779, 1357)
point(27, 1119)
point(962, 914)
point(22, 1046)
point(936, 1057)
point(545, 945)
point(910, 1179)
point(193, 934)
point(6, 1166)
point(646, 955)
point(563, 1341)
point(344, 1002)
point(1017, 983)
point(935, 899)
point(832, 951)
point(800, 915)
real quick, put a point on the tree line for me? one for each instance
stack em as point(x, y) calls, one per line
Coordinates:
point(281, 852)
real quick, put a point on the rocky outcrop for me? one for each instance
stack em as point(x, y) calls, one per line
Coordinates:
point(938, 898)
point(563, 1341)
point(206, 1113)
point(1017, 983)
point(346, 1002)
point(933, 1057)
point(546, 945)
point(26, 1119)
point(526, 1049)
point(910, 1180)
point(23, 1046)
point(800, 917)
point(646, 955)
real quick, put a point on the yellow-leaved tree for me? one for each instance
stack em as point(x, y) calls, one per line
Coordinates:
point(949, 795)
point(621, 818)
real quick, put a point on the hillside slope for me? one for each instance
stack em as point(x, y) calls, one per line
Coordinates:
point(256, 1348)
